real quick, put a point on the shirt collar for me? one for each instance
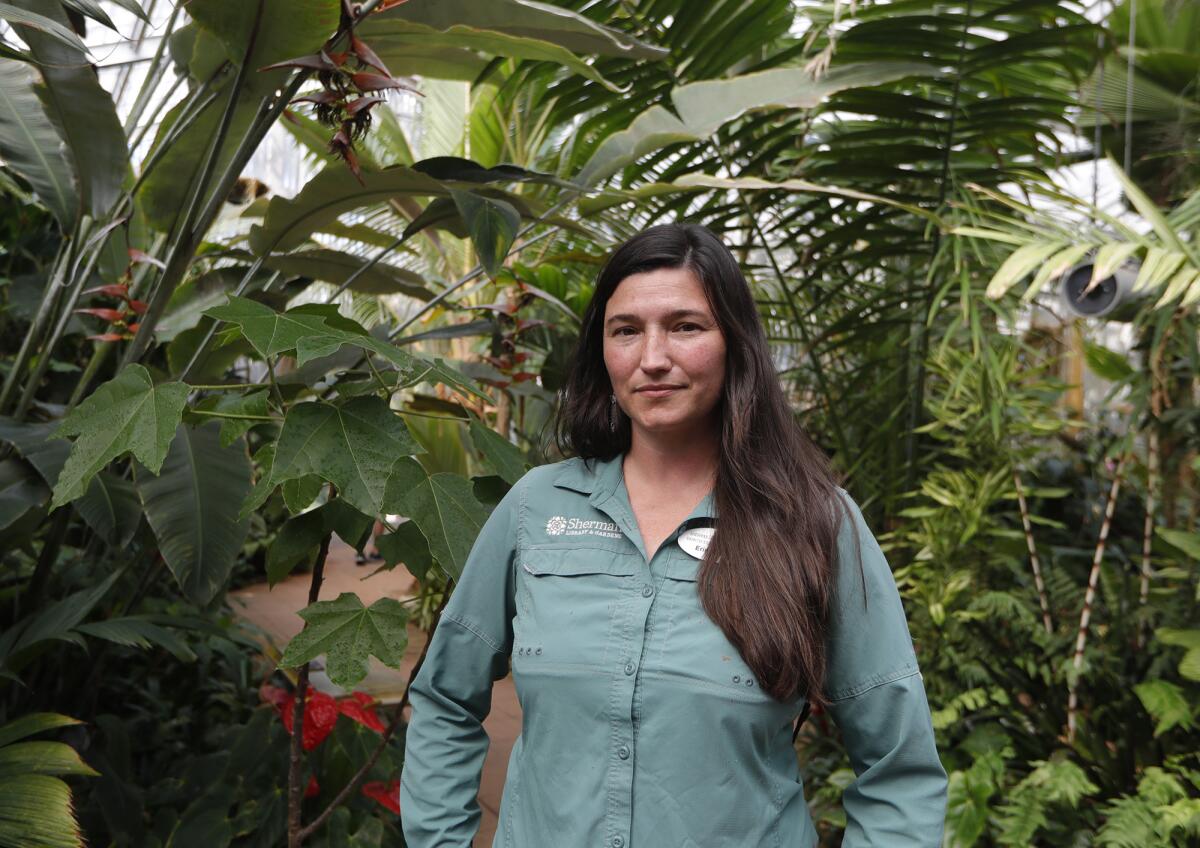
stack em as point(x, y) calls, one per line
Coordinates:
point(603, 479)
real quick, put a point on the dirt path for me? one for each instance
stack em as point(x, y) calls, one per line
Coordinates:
point(274, 611)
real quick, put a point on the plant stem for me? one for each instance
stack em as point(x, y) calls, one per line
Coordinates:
point(296, 758)
point(45, 309)
point(193, 225)
point(1034, 564)
point(1086, 615)
point(393, 725)
point(215, 414)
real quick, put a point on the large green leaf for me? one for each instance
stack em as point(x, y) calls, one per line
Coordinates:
point(703, 107)
point(41, 758)
point(58, 620)
point(522, 18)
point(21, 488)
point(110, 507)
point(191, 506)
point(36, 810)
point(138, 632)
point(300, 536)
point(288, 28)
point(307, 330)
point(30, 145)
point(81, 110)
point(501, 455)
point(408, 545)
point(289, 222)
point(163, 194)
point(443, 506)
point(36, 442)
point(32, 723)
point(348, 634)
point(186, 307)
point(333, 266)
point(492, 224)
point(42, 21)
point(393, 38)
point(353, 446)
point(127, 414)
point(333, 191)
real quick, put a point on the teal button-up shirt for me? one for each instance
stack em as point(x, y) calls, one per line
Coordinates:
point(642, 727)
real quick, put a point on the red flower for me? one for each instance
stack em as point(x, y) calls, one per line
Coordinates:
point(387, 794)
point(360, 707)
point(312, 789)
point(320, 713)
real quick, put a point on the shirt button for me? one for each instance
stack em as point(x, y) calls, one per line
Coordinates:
point(647, 591)
point(623, 752)
point(618, 842)
point(629, 668)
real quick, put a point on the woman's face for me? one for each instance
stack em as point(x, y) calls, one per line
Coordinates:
point(664, 351)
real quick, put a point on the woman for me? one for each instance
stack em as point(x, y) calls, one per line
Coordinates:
point(672, 599)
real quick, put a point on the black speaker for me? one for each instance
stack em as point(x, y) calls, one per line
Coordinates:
point(1112, 299)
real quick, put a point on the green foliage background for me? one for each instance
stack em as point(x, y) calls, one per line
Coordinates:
point(202, 387)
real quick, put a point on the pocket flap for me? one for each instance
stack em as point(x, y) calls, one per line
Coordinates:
point(574, 561)
point(682, 568)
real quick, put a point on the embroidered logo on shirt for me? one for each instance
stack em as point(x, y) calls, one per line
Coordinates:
point(560, 525)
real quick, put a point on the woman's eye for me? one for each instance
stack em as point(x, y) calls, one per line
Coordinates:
point(690, 327)
point(620, 331)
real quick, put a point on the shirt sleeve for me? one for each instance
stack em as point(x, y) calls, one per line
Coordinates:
point(445, 743)
point(878, 702)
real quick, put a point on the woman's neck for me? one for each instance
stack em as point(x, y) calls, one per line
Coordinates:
point(680, 463)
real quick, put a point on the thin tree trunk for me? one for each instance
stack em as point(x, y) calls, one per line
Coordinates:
point(1090, 596)
point(1043, 601)
point(296, 764)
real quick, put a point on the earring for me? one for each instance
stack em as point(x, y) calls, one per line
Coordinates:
point(612, 413)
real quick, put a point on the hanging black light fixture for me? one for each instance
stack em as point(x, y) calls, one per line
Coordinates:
point(1112, 298)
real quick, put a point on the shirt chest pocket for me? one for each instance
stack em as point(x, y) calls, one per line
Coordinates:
point(569, 602)
point(696, 650)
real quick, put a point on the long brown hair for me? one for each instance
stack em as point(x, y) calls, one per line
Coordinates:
point(775, 490)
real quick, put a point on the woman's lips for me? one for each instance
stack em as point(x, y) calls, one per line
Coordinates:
point(658, 392)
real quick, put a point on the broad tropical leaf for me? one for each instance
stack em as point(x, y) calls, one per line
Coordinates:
point(492, 224)
point(501, 455)
point(30, 145)
point(21, 488)
point(128, 414)
point(348, 634)
point(353, 446)
point(522, 18)
point(110, 507)
point(21, 15)
point(191, 505)
point(300, 536)
point(81, 110)
point(288, 28)
point(443, 506)
point(333, 266)
point(408, 545)
point(703, 107)
point(307, 330)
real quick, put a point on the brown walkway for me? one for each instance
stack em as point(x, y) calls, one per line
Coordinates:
point(274, 611)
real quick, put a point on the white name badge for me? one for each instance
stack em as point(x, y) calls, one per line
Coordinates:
point(695, 541)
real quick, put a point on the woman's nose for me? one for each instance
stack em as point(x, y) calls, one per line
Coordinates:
point(654, 352)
